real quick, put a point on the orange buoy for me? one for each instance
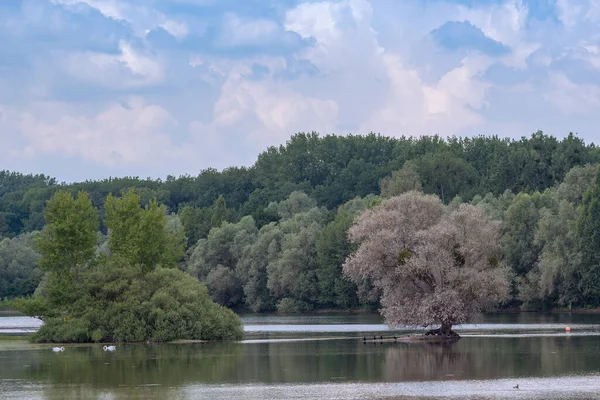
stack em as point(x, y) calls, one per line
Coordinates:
point(568, 329)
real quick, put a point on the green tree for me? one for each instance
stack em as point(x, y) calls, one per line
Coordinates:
point(447, 176)
point(119, 303)
point(215, 260)
point(401, 181)
point(291, 273)
point(140, 235)
point(333, 247)
point(196, 223)
point(19, 274)
point(219, 212)
point(589, 233)
point(68, 241)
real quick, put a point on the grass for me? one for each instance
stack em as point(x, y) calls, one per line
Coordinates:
point(13, 337)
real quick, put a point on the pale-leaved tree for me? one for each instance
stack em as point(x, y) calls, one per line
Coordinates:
point(433, 266)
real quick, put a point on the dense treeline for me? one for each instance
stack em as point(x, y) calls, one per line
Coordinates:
point(274, 236)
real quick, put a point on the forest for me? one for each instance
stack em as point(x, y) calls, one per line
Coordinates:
point(274, 236)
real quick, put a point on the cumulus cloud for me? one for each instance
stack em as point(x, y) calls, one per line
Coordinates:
point(141, 16)
point(212, 83)
point(120, 135)
point(130, 67)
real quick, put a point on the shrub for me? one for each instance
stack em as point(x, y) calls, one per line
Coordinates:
point(121, 304)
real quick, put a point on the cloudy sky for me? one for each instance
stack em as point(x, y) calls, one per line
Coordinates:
point(98, 88)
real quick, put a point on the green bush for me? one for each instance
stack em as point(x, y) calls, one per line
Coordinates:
point(58, 330)
point(288, 305)
point(121, 304)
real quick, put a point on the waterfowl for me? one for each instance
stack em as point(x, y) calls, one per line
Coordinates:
point(109, 348)
point(57, 349)
point(516, 387)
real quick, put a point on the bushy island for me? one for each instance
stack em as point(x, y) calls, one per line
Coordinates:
point(127, 290)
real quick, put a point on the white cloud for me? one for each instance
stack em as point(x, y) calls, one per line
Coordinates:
point(571, 98)
point(502, 22)
point(253, 115)
point(130, 68)
point(142, 18)
point(347, 42)
point(177, 29)
point(414, 108)
point(135, 133)
point(365, 66)
point(238, 31)
point(568, 12)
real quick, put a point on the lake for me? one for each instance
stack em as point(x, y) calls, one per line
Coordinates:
point(320, 357)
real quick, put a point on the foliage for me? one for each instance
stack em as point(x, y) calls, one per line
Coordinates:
point(119, 303)
point(69, 238)
point(535, 185)
point(140, 235)
point(333, 247)
point(401, 181)
point(127, 293)
point(330, 169)
point(589, 233)
point(449, 267)
point(19, 274)
point(215, 260)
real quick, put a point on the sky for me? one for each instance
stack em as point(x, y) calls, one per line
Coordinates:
point(97, 88)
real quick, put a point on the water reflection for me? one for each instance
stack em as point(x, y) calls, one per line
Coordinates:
point(305, 366)
point(485, 358)
point(304, 361)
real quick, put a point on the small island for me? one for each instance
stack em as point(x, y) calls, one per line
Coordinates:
point(127, 291)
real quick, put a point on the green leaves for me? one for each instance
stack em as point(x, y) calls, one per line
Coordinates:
point(68, 241)
point(589, 232)
point(118, 303)
point(140, 235)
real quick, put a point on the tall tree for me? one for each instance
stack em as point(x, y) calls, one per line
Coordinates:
point(140, 235)
point(219, 212)
point(589, 233)
point(19, 274)
point(69, 238)
point(432, 266)
point(401, 181)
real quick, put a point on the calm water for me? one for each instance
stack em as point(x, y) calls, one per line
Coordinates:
point(321, 357)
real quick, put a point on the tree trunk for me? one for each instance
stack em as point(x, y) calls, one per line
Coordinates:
point(444, 332)
point(446, 328)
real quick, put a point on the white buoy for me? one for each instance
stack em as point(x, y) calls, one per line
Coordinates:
point(109, 348)
point(57, 349)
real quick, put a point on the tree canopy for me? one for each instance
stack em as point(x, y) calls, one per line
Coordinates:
point(274, 236)
point(133, 293)
point(432, 265)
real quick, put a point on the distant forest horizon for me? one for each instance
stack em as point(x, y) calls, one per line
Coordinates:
point(247, 228)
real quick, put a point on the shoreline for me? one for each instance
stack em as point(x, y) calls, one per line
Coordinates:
point(15, 313)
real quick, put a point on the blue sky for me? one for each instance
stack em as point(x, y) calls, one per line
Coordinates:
point(98, 88)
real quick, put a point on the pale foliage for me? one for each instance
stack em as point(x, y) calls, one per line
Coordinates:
point(555, 275)
point(401, 181)
point(297, 202)
point(432, 265)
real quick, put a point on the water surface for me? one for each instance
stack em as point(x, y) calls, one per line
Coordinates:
point(323, 357)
